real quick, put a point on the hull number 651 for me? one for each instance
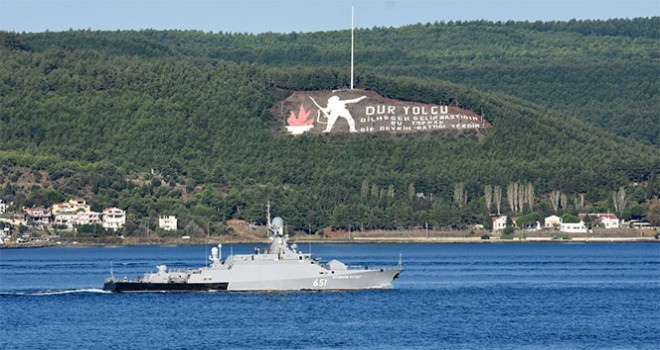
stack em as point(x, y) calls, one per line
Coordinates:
point(320, 282)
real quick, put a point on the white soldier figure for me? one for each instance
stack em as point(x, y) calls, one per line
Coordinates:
point(337, 108)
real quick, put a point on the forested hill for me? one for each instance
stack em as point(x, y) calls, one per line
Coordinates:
point(184, 117)
point(603, 72)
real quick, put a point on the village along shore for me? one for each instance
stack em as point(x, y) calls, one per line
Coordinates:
point(254, 236)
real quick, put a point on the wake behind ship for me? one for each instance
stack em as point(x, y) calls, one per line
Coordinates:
point(282, 268)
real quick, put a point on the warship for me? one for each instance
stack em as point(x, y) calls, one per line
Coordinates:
point(282, 267)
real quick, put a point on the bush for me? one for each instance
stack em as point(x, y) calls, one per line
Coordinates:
point(485, 236)
point(91, 229)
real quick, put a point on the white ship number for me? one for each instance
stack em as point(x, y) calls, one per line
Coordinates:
point(320, 282)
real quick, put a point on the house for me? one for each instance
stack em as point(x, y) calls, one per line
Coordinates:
point(74, 205)
point(167, 223)
point(113, 218)
point(79, 205)
point(65, 219)
point(573, 227)
point(3, 207)
point(608, 220)
point(499, 222)
point(5, 234)
point(69, 218)
point(38, 215)
point(88, 218)
point(552, 221)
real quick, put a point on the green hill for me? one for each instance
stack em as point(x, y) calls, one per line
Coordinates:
point(602, 72)
point(161, 122)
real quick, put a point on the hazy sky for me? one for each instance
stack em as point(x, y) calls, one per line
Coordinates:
point(257, 16)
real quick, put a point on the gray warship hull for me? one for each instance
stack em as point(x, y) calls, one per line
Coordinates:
point(356, 280)
point(280, 268)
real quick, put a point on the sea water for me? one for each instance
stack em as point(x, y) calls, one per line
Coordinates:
point(452, 296)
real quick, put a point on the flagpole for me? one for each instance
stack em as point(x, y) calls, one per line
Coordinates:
point(352, 41)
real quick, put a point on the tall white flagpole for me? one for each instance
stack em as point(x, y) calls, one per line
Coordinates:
point(352, 41)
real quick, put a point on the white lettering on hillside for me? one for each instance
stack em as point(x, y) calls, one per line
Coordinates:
point(414, 118)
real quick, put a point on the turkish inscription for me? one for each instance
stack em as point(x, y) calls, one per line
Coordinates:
point(362, 111)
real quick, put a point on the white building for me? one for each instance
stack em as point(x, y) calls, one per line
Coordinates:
point(5, 234)
point(573, 227)
point(3, 207)
point(38, 215)
point(65, 219)
point(552, 221)
point(609, 220)
point(88, 218)
point(499, 222)
point(167, 223)
point(113, 218)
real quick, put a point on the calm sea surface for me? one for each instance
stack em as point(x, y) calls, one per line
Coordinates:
point(454, 296)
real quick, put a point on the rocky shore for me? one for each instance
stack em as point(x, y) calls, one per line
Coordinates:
point(31, 244)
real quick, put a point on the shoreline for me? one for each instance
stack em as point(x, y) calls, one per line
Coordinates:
point(355, 240)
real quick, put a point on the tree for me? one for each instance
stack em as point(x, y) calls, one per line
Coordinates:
point(570, 219)
point(528, 220)
point(588, 222)
point(619, 200)
point(555, 197)
point(193, 229)
point(364, 189)
point(488, 197)
point(512, 196)
point(411, 191)
point(636, 212)
point(530, 195)
point(497, 196)
point(460, 194)
point(653, 215)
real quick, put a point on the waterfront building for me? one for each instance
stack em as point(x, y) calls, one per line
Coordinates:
point(38, 215)
point(113, 218)
point(167, 223)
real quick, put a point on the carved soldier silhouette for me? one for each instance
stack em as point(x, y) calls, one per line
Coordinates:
point(337, 108)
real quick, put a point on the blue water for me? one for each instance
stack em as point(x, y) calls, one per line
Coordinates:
point(457, 296)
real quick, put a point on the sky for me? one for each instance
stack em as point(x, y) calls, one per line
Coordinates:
point(285, 16)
